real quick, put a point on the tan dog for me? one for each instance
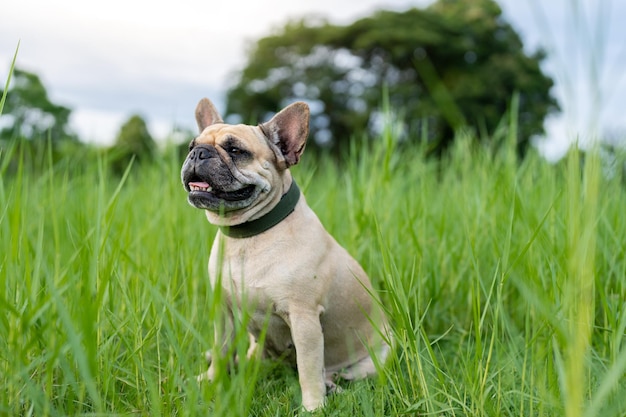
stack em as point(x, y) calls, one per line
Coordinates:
point(273, 255)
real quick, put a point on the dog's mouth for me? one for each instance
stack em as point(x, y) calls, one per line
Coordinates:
point(204, 189)
point(203, 195)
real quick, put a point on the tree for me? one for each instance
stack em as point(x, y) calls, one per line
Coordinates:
point(454, 64)
point(133, 141)
point(30, 113)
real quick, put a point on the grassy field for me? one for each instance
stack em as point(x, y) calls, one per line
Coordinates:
point(504, 281)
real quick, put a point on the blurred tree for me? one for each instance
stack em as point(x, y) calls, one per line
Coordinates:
point(30, 114)
point(133, 140)
point(456, 63)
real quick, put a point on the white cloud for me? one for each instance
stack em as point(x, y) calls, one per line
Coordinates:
point(97, 126)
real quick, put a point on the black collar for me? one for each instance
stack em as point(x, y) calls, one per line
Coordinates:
point(283, 209)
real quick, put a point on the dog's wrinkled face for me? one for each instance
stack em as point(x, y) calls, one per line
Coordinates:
point(219, 171)
point(233, 168)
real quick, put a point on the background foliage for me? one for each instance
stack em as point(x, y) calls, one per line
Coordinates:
point(33, 115)
point(133, 142)
point(452, 65)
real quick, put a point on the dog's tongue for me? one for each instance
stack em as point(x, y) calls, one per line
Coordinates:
point(199, 184)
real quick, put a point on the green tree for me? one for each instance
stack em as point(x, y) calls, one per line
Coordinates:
point(454, 64)
point(29, 114)
point(133, 141)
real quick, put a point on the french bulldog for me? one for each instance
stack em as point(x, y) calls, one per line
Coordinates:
point(274, 259)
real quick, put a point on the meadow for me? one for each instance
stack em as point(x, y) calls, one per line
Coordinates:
point(504, 281)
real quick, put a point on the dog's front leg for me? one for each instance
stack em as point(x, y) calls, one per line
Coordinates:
point(308, 339)
point(224, 334)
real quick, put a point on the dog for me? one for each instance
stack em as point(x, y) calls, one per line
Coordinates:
point(272, 255)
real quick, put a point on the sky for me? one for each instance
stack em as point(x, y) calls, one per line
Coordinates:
point(109, 60)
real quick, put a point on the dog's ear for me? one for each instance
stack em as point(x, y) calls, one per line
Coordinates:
point(207, 114)
point(288, 131)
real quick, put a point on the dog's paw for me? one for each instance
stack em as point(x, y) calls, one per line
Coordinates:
point(332, 388)
point(204, 376)
point(312, 404)
point(209, 375)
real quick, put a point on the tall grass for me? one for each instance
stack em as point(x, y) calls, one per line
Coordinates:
point(503, 280)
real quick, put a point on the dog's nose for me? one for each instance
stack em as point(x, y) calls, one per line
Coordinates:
point(202, 152)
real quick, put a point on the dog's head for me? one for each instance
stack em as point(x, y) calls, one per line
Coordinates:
point(237, 171)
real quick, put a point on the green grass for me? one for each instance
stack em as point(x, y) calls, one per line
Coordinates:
point(504, 281)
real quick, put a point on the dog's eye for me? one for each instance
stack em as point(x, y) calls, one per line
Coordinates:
point(235, 149)
point(192, 144)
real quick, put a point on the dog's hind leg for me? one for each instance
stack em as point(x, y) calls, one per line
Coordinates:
point(365, 367)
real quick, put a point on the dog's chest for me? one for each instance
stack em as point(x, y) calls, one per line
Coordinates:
point(251, 277)
point(246, 264)
point(258, 286)
point(249, 281)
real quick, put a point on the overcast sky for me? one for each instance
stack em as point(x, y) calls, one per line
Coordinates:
point(108, 60)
